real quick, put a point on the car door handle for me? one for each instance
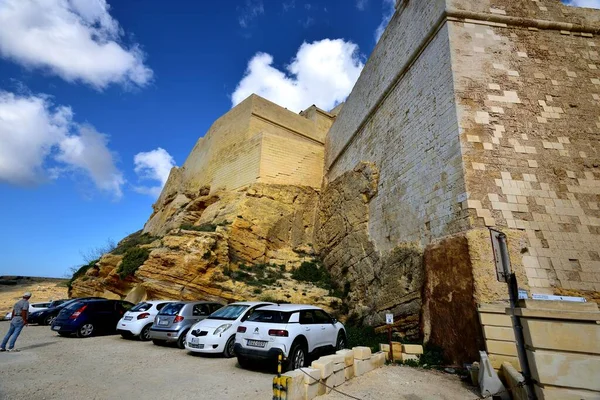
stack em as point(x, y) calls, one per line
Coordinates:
point(307, 329)
point(322, 328)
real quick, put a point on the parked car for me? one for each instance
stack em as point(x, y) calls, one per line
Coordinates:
point(295, 330)
point(33, 307)
point(88, 317)
point(45, 317)
point(138, 321)
point(216, 333)
point(174, 321)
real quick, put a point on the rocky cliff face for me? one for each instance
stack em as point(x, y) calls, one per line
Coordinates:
point(374, 283)
point(227, 246)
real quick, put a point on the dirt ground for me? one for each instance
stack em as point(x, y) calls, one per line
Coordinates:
point(405, 383)
point(42, 290)
point(109, 367)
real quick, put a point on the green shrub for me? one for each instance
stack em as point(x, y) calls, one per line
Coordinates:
point(81, 272)
point(314, 272)
point(365, 336)
point(132, 241)
point(199, 228)
point(257, 290)
point(132, 260)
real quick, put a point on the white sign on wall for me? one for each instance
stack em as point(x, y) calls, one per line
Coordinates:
point(389, 319)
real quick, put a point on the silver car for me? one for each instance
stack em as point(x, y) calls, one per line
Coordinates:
point(174, 320)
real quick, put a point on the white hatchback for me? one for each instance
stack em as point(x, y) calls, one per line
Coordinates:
point(137, 321)
point(216, 333)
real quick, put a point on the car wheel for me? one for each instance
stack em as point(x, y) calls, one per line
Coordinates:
point(341, 341)
point(86, 330)
point(297, 358)
point(181, 340)
point(229, 352)
point(49, 319)
point(243, 361)
point(145, 333)
point(158, 342)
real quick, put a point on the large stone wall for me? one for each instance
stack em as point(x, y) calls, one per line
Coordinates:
point(528, 97)
point(474, 114)
point(255, 142)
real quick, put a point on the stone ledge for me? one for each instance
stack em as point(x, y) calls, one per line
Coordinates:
point(309, 383)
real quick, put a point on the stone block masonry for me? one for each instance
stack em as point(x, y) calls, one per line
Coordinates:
point(475, 114)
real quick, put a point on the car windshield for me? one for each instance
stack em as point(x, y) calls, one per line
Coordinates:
point(229, 313)
point(67, 303)
point(56, 303)
point(141, 307)
point(171, 309)
point(276, 317)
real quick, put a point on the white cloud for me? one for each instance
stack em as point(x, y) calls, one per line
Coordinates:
point(153, 165)
point(322, 73)
point(389, 7)
point(41, 142)
point(251, 10)
point(77, 40)
point(361, 4)
point(583, 3)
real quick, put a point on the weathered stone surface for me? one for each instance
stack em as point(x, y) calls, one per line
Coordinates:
point(324, 365)
point(348, 356)
point(361, 353)
point(375, 283)
point(412, 348)
point(258, 225)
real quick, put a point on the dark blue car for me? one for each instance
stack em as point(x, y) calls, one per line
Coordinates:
point(45, 317)
point(88, 317)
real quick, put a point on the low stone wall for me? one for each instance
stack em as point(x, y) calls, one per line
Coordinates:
point(499, 335)
point(329, 372)
point(562, 341)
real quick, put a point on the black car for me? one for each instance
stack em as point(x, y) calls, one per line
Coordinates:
point(88, 317)
point(45, 317)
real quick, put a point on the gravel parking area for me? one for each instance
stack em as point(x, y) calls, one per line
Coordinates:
point(109, 367)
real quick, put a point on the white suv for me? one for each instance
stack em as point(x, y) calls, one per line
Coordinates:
point(295, 330)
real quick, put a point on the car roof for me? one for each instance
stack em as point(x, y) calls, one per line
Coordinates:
point(158, 301)
point(196, 302)
point(250, 303)
point(289, 307)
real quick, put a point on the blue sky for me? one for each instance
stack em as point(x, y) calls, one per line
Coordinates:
point(99, 99)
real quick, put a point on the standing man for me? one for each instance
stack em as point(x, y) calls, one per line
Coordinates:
point(19, 320)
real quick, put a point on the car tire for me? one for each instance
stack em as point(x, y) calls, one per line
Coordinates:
point(49, 319)
point(297, 357)
point(243, 361)
point(229, 352)
point(158, 342)
point(341, 341)
point(181, 340)
point(145, 333)
point(85, 330)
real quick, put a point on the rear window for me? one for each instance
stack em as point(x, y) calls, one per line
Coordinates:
point(141, 307)
point(160, 306)
point(275, 317)
point(74, 305)
point(229, 312)
point(171, 309)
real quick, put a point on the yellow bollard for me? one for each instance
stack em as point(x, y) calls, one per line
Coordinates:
point(277, 381)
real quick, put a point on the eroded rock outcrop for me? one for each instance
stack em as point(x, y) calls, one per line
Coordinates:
point(374, 283)
point(228, 246)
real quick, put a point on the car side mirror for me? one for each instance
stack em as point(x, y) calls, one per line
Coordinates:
point(334, 321)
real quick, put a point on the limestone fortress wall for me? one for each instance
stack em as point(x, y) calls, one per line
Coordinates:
point(474, 114)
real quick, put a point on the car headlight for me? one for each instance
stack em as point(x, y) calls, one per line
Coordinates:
point(221, 329)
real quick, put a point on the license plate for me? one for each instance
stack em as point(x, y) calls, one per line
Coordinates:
point(163, 322)
point(196, 346)
point(56, 328)
point(256, 343)
point(195, 340)
point(128, 318)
